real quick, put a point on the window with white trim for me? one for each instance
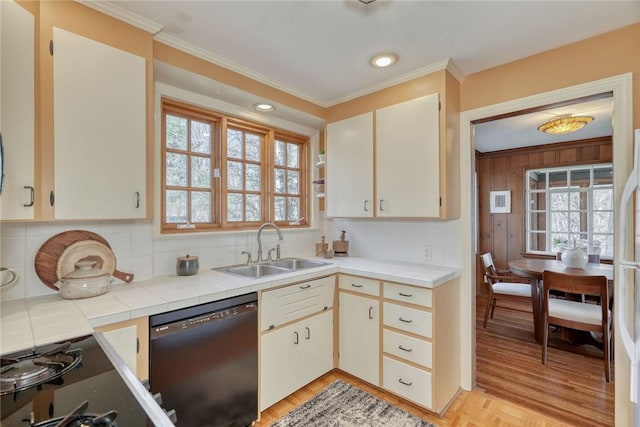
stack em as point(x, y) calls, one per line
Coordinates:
point(570, 206)
point(220, 172)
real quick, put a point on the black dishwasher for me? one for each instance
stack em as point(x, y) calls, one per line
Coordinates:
point(204, 362)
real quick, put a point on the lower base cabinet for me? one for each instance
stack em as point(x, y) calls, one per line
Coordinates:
point(295, 355)
point(407, 381)
point(130, 339)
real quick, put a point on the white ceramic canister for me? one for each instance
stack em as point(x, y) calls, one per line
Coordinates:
point(575, 257)
point(84, 282)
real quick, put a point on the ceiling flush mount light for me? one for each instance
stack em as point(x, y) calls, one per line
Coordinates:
point(565, 125)
point(262, 107)
point(366, 1)
point(384, 60)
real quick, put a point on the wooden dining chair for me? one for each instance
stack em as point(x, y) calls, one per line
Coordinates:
point(503, 285)
point(584, 316)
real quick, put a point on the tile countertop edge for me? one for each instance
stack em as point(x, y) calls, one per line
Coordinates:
point(157, 295)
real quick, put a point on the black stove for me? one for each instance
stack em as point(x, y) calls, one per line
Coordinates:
point(80, 382)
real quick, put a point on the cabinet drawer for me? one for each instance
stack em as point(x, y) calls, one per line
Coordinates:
point(411, 383)
point(407, 319)
point(293, 302)
point(360, 284)
point(408, 348)
point(410, 294)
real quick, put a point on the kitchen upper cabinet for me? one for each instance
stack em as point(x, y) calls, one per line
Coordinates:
point(349, 168)
point(17, 111)
point(407, 176)
point(100, 140)
point(359, 327)
point(407, 159)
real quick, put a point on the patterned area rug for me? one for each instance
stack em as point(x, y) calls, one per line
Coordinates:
point(343, 405)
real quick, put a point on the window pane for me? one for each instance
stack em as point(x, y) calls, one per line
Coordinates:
point(559, 221)
point(559, 201)
point(603, 176)
point(559, 241)
point(603, 222)
point(234, 175)
point(538, 221)
point(200, 137)
point(254, 143)
point(293, 182)
point(279, 181)
point(558, 179)
point(176, 209)
point(254, 208)
point(602, 200)
point(279, 154)
point(294, 209)
point(581, 178)
point(538, 242)
point(176, 169)
point(200, 206)
point(234, 207)
point(575, 225)
point(234, 143)
point(537, 180)
point(176, 129)
point(577, 201)
point(537, 201)
point(293, 158)
point(200, 172)
point(253, 177)
point(280, 208)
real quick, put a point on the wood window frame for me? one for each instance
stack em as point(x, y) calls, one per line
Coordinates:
point(219, 161)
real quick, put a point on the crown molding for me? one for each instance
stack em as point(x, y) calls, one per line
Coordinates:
point(123, 14)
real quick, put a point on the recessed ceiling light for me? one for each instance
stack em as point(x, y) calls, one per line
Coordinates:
point(262, 107)
point(384, 60)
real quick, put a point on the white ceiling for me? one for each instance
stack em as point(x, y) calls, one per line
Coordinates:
point(319, 49)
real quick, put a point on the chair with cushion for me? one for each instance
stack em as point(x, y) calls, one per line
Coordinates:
point(584, 316)
point(504, 286)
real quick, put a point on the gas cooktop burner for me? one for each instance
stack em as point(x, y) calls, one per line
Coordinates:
point(78, 418)
point(28, 371)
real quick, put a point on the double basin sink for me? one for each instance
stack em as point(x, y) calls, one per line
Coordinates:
point(255, 271)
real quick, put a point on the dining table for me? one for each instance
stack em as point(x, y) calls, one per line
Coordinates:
point(533, 268)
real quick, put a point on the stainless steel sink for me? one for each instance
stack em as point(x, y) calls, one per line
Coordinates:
point(297, 263)
point(255, 271)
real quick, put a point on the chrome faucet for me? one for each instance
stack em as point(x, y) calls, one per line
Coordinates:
point(262, 227)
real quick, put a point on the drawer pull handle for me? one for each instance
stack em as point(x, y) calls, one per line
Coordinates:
point(405, 320)
point(308, 332)
point(356, 286)
point(305, 287)
point(408, 350)
point(296, 341)
point(405, 295)
point(405, 383)
point(371, 313)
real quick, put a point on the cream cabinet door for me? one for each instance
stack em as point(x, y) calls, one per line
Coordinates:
point(293, 356)
point(359, 327)
point(99, 130)
point(408, 158)
point(17, 108)
point(349, 167)
point(130, 339)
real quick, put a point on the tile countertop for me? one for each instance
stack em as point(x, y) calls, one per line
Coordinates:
point(43, 320)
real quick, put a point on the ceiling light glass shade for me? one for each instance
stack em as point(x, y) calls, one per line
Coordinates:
point(384, 60)
point(565, 125)
point(263, 107)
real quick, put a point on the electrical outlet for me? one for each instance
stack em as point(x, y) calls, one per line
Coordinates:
point(427, 252)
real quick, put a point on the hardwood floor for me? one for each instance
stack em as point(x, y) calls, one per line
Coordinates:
point(469, 409)
point(570, 387)
point(513, 387)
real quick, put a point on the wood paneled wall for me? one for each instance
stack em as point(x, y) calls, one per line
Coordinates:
point(504, 234)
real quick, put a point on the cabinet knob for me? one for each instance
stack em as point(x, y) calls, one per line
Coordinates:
point(297, 339)
point(381, 208)
point(405, 295)
point(137, 199)
point(408, 350)
point(371, 313)
point(52, 198)
point(366, 206)
point(404, 382)
point(308, 332)
point(405, 320)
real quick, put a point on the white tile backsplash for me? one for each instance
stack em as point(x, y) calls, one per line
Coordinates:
point(139, 253)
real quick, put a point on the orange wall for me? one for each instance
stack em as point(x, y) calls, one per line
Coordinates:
point(599, 57)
